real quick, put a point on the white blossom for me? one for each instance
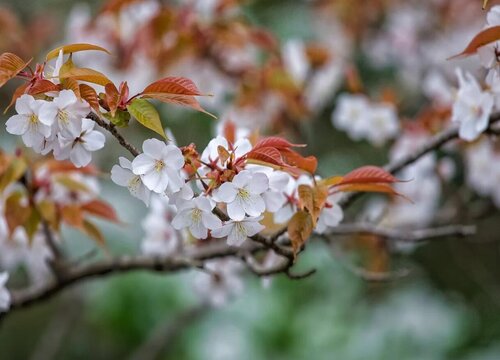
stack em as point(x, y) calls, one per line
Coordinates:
point(123, 175)
point(210, 154)
point(383, 123)
point(472, 107)
point(351, 115)
point(238, 231)
point(161, 239)
point(65, 112)
point(331, 215)
point(197, 216)
point(5, 297)
point(243, 195)
point(29, 124)
point(77, 143)
point(159, 166)
point(221, 281)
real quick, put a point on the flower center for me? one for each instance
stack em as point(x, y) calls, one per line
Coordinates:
point(159, 165)
point(33, 119)
point(63, 116)
point(243, 194)
point(240, 228)
point(196, 215)
point(133, 184)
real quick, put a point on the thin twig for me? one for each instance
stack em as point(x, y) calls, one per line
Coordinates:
point(112, 129)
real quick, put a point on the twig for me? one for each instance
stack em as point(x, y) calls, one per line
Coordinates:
point(412, 236)
point(112, 129)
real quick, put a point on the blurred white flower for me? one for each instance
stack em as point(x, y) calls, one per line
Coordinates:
point(159, 166)
point(472, 107)
point(222, 281)
point(351, 114)
point(331, 215)
point(243, 195)
point(160, 239)
point(197, 216)
point(29, 124)
point(4, 293)
point(122, 175)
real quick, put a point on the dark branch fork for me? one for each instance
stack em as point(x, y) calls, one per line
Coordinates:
point(278, 243)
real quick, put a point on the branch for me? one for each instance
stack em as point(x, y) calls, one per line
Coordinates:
point(411, 236)
point(75, 274)
point(433, 144)
point(112, 129)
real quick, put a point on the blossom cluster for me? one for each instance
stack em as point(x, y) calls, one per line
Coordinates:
point(59, 125)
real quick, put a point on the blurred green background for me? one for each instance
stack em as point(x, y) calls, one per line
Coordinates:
point(448, 307)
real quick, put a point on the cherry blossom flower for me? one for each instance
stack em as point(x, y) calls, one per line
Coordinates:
point(221, 281)
point(243, 195)
point(65, 112)
point(4, 293)
point(351, 115)
point(383, 123)
point(28, 123)
point(123, 175)
point(197, 216)
point(159, 166)
point(78, 143)
point(161, 239)
point(210, 154)
point(472, 107)
point(238, 231)
point(331, 215)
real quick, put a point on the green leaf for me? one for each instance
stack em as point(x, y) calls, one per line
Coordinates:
point(147, 115)
point(120, 119)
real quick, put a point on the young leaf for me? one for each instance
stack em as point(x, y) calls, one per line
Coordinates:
point(313, 199)
point(71, 48)
point(173, 86)
point(88, 94)
point(146, 114)
point(368, 174)
point(379, 188)
point(112, 97)
point(485, 37)
point(175, 90)
point(276, 142)
point(223, 153)
point(293, 158)
point(93, 231)
point(10, 66)
point(72, 215)
point(41, 86)
point(101, 209)
point(16, 214)
point(300, 228)
point(14, 172)
point(85, 74)
point(182, 100)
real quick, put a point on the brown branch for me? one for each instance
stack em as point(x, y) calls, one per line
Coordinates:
point(112, 129)
point(403, 235)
